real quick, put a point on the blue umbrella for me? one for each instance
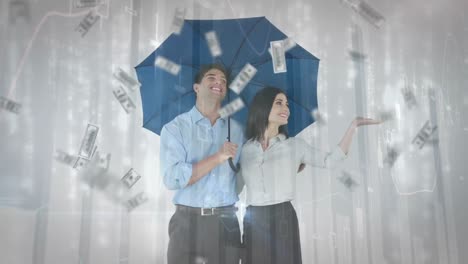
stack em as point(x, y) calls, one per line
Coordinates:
point(246, 40)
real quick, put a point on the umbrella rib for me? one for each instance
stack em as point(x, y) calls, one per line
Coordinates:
point(243, 42)
point(156, 114)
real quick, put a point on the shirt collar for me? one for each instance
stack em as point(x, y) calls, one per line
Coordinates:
point(278, 138)
point(197, 116)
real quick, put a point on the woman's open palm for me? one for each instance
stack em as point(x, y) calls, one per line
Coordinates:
point(362, 121)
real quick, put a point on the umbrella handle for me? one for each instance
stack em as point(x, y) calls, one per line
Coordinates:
point(234, 167)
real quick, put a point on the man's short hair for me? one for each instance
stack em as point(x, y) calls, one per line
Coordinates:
point(206, 67)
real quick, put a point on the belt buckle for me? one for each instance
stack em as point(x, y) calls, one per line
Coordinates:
point(207, 211)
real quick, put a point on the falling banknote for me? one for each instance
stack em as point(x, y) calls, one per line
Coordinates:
point(366, 11)
point(89, 139)
point(424, 134)
point(167, 65)
point(319, 118)
point(125, 101)
point(130, 178)
point(178, 20)
point(244, 77)
point(288, 43)
point(278, 56)
point(86, 3)
point(392, 154)
point(9, 105)
point(347, 179)
point(135, 201)
point(408, 96)
point(231, 108)
point(213, 43)
point(88, 21)
point(65, 158)
point(125, 78)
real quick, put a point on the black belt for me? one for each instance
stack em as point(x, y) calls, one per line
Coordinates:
point(207, 211)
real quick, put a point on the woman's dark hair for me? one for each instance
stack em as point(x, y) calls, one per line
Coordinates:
point(259, 111)
point(206, 67)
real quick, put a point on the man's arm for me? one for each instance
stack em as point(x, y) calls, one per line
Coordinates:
point(203, 167)
point(176, 171)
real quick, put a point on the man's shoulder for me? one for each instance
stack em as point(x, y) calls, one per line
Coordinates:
point(180, 121)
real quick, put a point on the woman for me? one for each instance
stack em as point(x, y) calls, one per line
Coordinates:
point(270, 161)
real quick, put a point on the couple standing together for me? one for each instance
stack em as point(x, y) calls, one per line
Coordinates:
point(194, 154)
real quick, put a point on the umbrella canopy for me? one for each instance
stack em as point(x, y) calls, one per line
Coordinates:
point(247, 40)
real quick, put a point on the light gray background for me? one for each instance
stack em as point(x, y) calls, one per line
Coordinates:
point(413, 213)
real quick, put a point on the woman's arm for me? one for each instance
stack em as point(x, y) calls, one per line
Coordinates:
point(345, 142)
point(330, 160)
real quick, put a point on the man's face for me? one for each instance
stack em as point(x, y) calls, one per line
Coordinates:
point(213, 85)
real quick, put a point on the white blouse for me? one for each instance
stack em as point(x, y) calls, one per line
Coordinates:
point(270, 175)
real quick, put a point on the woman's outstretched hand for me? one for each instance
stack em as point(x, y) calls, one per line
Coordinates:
point(362, 121)
point(348, 136)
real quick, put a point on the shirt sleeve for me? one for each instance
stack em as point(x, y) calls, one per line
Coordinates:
point(173, 155)
point(318, 158)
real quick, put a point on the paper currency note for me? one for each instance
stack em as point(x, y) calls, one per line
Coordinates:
point(386, 115)
point(136, 201)
point(88, 141)
point(408, 96)
point(65, 158)
point(288, 43)
point(392, 154)
point(213, 43)
point(95, 169)
point(424, 134)
point(17, 9)
point(348, 180)
point(125, 78)
point(80, 163)
point(88, 21)
point(231, 108)
point(104, 161)
point(369, 13)
point(86, 3)
point(319, 118)
point(278, 56)
point(130, 11)
point(130, 178)
point(167, 65)
point(356, 55)
point(332, 236)
point(244, 77)
point(178, 20)
point(9, 105)
point(124, 100)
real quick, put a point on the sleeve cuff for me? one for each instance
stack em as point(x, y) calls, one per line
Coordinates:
point(185, 174)
point(337, 154)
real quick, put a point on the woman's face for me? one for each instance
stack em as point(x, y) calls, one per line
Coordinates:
point(279, 113)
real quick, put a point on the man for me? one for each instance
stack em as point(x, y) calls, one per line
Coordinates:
point(194, 162)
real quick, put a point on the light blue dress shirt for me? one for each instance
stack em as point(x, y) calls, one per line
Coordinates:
point(186, 140)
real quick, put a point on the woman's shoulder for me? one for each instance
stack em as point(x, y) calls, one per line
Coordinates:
point(296, 143)
point(249, 143)
point(296, 140)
